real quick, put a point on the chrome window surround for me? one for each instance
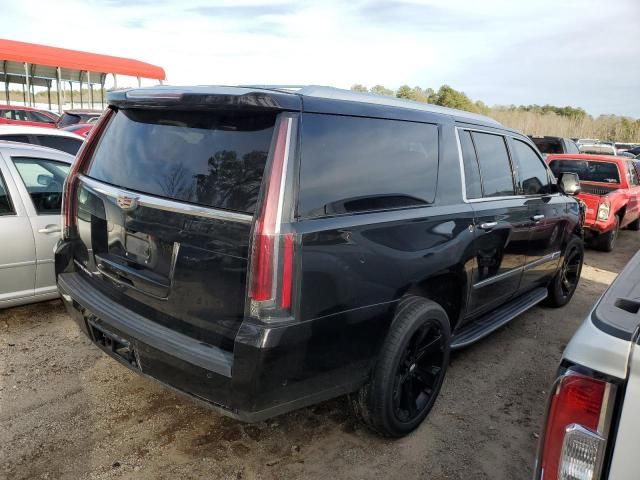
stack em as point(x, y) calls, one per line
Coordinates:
point(513, 167)
point(175, 206)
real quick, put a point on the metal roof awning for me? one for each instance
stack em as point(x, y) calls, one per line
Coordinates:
point(31, 65)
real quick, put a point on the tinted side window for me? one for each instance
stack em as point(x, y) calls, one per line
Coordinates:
point(38, 117)
point(533, 175)
point(21, 115)
point(44, 180)
point(5, 201)
point(15, 138)
point(352, 164)
point(66, 144)
point(495, 168)
point(471, 170)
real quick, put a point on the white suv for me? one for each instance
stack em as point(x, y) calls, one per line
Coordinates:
point(593, 417)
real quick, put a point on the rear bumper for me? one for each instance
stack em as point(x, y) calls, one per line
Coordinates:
point(263, 377)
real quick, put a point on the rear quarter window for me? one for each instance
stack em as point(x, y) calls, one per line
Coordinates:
point(65, 144)
point(353, 164)
point(214, 159)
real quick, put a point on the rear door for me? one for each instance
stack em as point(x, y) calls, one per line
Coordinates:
point(501, 219)
point(547, 212)
point(40, 180)
point(17, 255)
point(164, 215)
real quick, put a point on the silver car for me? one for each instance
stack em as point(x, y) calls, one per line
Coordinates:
point(31, 180)
point(593, 416)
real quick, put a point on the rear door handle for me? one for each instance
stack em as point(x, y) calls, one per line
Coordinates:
point(537, 218)
point(487, 225)
point(50, 229)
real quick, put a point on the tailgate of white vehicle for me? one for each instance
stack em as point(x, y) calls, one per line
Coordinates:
point(624, 464)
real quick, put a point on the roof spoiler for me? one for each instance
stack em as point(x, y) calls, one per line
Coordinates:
point(204, 97)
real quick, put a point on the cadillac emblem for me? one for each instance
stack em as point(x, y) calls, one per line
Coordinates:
point(126, 202)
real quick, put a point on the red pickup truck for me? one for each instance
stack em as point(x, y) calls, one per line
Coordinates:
point(610, 188)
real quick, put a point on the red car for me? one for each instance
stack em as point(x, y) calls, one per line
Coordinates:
point(610, 189)
point(13, 115)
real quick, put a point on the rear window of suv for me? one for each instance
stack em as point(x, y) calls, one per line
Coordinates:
point(214, 159)
point(353, 164)
point(587, 170)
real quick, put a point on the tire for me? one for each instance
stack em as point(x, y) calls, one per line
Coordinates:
point(607, 241)
point(408, 374)
point(564, 284)
point(635, 225)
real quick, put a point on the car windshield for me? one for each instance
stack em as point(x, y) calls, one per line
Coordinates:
point(67, 119)
point(587, 170)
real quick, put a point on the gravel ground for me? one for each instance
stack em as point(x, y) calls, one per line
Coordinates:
point(69, 412)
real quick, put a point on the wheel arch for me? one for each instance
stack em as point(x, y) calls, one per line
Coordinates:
point(449, 290)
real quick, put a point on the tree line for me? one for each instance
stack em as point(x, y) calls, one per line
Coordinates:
point(564, 121)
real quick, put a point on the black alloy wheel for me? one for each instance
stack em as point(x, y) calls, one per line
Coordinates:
point(570, 272)
point(419, 372)
point(410, 369)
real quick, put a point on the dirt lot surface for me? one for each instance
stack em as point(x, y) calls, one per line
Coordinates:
point(69, 412)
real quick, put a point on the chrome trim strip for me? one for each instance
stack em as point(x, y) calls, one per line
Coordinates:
point(167, 205)
point(497, 278)
point(463, 179)
point(524, 268)
point(283, 178)
point(461, 164)
point(174, 258)
point(541, 260)
point(18, 264)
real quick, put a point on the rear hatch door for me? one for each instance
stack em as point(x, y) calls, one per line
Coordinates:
point(164, 214)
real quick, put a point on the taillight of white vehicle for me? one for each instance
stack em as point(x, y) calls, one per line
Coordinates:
point(578, 423)
point(272, 256)
point(71, 184)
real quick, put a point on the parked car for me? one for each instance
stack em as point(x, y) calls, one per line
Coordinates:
point(592, 416)
point(624, 147)
point(587, 141)
point(263, 250)
point(635, 151)
point(598, 149)
point(47, 137)
point(31, 179)
point(610, 188)
point(550, 145)
point(71, 117)
point(82, 129)
point(25, 116)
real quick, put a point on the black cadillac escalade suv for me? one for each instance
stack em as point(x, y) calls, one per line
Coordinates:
point(264, 249)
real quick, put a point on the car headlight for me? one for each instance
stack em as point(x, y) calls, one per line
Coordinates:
point(603, 211)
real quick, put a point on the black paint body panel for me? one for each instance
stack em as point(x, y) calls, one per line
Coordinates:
point(350, 272)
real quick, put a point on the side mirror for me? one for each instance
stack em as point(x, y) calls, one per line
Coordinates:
point(569, 183)
point(44, 180)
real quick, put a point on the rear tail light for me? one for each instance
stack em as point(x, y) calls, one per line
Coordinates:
point(71, 184)
point(578, 421)
point(272, 256)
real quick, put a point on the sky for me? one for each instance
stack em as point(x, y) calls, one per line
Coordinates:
point(583, 53)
